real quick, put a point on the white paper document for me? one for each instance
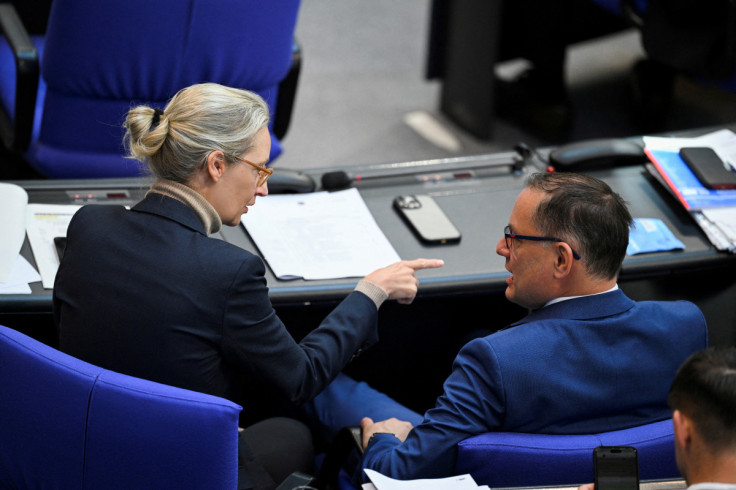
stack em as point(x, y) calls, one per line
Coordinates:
point(720, 226)
point(460, 482)
point(323, 235)
point(21, 274)
point(44, 223)
point(13, 203)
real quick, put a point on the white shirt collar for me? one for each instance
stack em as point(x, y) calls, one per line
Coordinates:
point(565, 298)
point(712, 486)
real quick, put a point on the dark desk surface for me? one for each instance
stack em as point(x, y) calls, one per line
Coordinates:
point(477, 193)
point(461, 300)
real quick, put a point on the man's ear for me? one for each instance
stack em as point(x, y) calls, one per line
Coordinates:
point(216, 165)
point(563, 259)
point(682, 426)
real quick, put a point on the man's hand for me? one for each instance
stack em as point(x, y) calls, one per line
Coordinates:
point(587, 486)
point(394, 426)
point(398, 279)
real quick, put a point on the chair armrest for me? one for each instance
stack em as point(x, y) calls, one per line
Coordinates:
point(287, 93)
point(17, 135)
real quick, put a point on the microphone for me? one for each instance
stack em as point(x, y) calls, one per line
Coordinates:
point(460, 169)
point(337, 180)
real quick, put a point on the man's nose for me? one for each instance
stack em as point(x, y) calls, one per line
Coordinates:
point(501, 248)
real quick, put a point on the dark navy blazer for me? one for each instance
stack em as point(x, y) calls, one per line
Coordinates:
point(147, 293)
point(585, 365)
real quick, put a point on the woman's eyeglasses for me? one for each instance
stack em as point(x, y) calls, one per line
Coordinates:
point(263, 172)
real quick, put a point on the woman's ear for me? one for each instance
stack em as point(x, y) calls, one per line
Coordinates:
point(216, 165)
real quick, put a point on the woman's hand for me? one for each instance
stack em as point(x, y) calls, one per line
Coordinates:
point(398, 279)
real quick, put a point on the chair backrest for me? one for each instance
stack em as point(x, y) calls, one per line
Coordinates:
point(507, 459)
point(65, 423)
point(100, 58)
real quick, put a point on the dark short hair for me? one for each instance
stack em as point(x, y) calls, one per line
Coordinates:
point(586, 213)
point(704, 389)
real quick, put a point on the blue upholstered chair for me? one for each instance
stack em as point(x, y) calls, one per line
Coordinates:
point(97, 59)
point(507, 459)
point(514, 459)
point(65, 423)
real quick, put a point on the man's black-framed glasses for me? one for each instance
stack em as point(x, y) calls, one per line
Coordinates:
point(509, 237)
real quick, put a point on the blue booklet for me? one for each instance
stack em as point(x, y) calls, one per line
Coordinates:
point(685, 185)
point(651, 235)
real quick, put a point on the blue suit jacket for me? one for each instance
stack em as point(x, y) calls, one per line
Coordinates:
point(585, 365)
point(145, 292)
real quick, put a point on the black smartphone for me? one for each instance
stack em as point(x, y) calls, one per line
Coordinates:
point(616, 468)
point(708, 167)
point(426, 219)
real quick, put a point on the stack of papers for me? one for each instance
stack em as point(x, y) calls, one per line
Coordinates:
point(323, 235)
point(380, 482)
point(13, 202)
point(713, 210)
point(46, 222)
point(41, 224)
point(720, 226)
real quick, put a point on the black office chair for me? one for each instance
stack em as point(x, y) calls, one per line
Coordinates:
point(97, 59)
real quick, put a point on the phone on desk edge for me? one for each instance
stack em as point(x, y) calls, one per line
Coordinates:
point(426, 219)
point(616, 468)
point(708, 167)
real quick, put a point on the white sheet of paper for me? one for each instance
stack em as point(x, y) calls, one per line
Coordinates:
point(45, 222)
point(21, 274)
point(13, 203)
point(460, 482)
point(323, 235)
point(724, 220)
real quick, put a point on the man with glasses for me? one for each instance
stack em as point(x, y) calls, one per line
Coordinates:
point(586, 359)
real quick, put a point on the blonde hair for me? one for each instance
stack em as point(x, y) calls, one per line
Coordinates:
point(198, 120)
